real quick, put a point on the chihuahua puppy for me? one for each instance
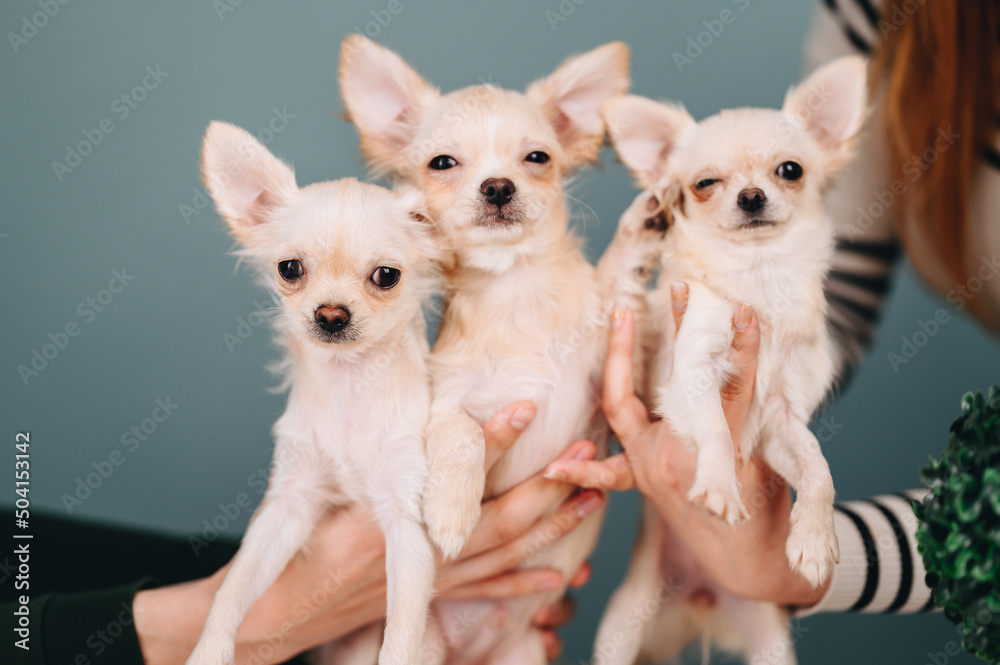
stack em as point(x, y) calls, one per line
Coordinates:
point(352, 265)
point(523, 317)
point(743, 191)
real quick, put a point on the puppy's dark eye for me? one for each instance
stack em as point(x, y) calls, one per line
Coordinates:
point(789, 170)
point(707, 182)
point(290, 270)
point(443, 163)
point(538, 157)
point(385, 277)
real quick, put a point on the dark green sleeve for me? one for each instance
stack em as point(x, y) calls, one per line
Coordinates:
point(83, 577)
point(88, 628)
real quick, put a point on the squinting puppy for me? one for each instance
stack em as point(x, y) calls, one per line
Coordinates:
point(352, 264)
point(524, 318)
point(743, 191)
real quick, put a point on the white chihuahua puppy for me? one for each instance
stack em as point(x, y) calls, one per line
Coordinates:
point(352, 265)
point(524, 316)
point(743, 192)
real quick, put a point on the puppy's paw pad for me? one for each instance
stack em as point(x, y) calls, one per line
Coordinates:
point(722, 501)
point(812, 550)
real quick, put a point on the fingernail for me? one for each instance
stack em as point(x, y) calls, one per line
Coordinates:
point(522, 416)
point(554, 473)
point(588, 505)
point(743, 316)
point(679, 292)
point(617, 317)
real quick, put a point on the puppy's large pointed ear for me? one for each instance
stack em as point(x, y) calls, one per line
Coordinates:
point(245, 179)
point(644, 134)
point(572, 96)
point(831, 106)
point(384, 97)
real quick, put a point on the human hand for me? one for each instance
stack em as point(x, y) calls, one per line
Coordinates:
point(336, 584)
point(748, 559)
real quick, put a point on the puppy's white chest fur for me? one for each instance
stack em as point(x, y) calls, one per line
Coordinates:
point(352, 418)
point(538, 339)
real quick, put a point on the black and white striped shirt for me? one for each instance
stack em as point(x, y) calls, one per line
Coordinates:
point(880, 569)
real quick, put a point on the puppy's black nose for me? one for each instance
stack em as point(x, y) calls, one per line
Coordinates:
point(497, 191)
point(751, 200)
point(332, 319)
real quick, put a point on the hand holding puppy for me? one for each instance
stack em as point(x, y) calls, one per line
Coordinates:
point(747, 559)
point(350, 543)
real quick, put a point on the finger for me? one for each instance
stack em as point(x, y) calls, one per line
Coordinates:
point(626, 413)
point(515, 511)
point(553, 645)
point(555, 615)
point(581, 577)
point(508, 585)
point(547, 530)
point(503, 428)
point(678, 301)
point(743, 356)
point(613, 473)
point(737, 394)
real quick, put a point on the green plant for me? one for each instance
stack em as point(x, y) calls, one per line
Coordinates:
point(959, 532)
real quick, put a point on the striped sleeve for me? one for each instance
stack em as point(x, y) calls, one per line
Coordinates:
point(880, 570)
point(861, 201)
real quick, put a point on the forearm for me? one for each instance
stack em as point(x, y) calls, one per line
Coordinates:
point(880, 570)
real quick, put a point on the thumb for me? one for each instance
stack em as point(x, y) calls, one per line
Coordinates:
point(738, 392)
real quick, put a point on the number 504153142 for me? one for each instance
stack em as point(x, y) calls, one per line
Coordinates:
point(22, 478)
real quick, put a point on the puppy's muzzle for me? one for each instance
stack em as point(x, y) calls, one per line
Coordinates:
point(331, 319)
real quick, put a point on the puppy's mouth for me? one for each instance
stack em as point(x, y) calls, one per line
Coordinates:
point(499, 217)
point(758, 223)
point(345, 336)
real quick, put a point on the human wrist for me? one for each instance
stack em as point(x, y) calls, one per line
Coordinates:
point(169, 620)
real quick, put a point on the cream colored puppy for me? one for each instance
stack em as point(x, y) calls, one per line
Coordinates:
point(352, 265)
point(525, 314)
point(744, 193)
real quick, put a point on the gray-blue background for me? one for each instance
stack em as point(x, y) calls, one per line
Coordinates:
point(164, 335)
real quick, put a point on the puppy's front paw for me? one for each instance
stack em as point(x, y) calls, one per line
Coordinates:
point(450, 519)
point(721, 498)
point(812, 546)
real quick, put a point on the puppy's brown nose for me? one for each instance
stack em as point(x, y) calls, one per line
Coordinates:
point(332, 319)
point(751, 200)
point(497, 191)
